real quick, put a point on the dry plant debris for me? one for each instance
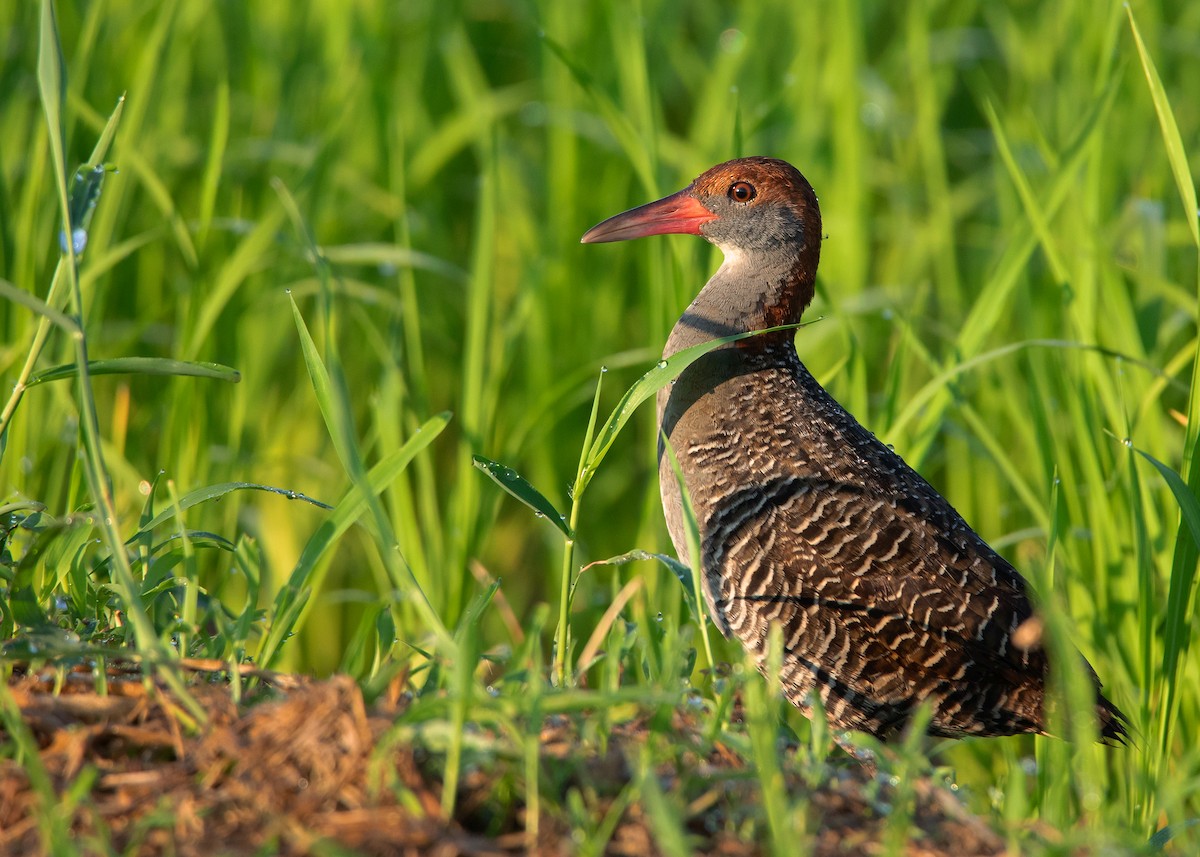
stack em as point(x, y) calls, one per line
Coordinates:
point(296, 766)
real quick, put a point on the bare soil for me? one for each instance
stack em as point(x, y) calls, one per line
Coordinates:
point(304, 766)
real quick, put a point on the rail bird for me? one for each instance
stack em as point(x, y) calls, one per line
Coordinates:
point(886, 599)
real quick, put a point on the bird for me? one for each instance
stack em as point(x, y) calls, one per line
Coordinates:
point(885, 598)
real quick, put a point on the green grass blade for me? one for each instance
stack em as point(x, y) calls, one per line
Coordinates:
point(215, 492)
point(616, 119)
point(1177, 154)
point(518, 486)
point(104, 143)
point(392, 254)
point(681, 571)
point(988, 306)
point(664, 372)
point(1037, 214)
point(52, 83)
point(25, 299)
point(1189, 504)
point(334, 407)
point(141, 366)
point(293, 596)
point(1181, 595)
point(692, 528)
point(214, 159)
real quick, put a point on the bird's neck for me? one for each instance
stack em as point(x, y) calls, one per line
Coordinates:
point(750, 291)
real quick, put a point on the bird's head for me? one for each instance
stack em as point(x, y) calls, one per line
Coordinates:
point(747, 206)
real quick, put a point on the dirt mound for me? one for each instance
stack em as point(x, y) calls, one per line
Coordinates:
point(303, 764)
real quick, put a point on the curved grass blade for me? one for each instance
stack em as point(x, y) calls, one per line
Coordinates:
point(216, 492)
point(692, 529)
point(1189, 504)
point(681, 571)
point(1177, 154)
point(331, 389)
point(1181, 588)
point(100, 151)
point(1036, 213)
point(918, 402)
point(516, 484)
point(1180, 592)
point(1160, 839)
point(293, 596)
point(379, 253)
point(662, 374)
point(141, 366)
point(37, 305)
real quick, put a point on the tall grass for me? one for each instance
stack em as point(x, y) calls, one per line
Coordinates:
point(371, 212)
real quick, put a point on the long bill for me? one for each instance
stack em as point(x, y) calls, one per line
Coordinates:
point(677, 214)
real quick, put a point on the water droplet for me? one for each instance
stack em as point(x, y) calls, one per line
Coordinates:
point(659, 617)
point(603, 370)
point(1128, 441)
point(662, 364)
point(79, 239)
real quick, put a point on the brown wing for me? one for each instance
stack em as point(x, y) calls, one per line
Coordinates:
point(882, 604)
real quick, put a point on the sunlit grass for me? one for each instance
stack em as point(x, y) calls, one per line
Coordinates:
point(373, 216)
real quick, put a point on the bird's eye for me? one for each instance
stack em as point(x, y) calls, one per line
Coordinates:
point(742, 192)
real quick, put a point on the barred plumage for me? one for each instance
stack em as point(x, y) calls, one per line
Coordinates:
point(884, 595)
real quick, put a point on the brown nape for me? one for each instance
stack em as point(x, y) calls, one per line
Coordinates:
point(885, 597)
point(775, 235)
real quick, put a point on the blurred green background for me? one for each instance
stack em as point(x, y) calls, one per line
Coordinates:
point(1007, 291)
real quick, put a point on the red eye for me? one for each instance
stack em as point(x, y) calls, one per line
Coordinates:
point(742, 192)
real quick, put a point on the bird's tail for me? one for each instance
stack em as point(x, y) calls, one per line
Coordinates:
point(1114, 725)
